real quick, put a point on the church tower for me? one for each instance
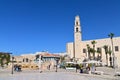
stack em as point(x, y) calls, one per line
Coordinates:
point(77, 30)
point(77, 37)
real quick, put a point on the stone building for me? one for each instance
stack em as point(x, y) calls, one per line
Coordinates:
point(30, 61)
point(78, 48)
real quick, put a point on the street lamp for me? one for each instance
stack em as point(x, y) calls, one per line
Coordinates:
point(12, 65)
point(56, 64)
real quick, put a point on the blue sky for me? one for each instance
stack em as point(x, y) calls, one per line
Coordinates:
point(28, 26)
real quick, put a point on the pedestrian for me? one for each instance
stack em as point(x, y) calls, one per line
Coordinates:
point(81, 69)
point(48, 67)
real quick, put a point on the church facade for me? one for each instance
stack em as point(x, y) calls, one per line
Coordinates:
point(79, 48)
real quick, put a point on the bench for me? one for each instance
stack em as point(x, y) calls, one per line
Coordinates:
point(99, 72)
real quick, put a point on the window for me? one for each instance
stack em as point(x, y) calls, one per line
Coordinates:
point(23, 60)
point(76, 29)
point(84, 50)
point(77, 23)
point(99, 50)
point(26, 59)
point(116, 48)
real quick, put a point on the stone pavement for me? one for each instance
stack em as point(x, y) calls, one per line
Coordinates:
point(52, 75)
point(108, 71)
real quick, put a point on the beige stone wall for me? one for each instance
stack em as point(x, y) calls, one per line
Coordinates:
point(31, 64)
point(78, 50)
point(26, 65)
point(70, 50)
point(100, 43)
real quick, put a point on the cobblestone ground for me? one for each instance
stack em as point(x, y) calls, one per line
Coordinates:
point(52, 75)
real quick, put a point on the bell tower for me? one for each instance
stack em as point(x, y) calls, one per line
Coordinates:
point(77, 38)
point(77, 30)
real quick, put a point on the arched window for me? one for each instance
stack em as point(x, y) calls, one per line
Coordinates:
point(84, 50)
point(26, 59)
point(23, 60)
point(77, 23)
point(76, 29)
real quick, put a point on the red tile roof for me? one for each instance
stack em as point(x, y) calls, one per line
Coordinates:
point(49, 55)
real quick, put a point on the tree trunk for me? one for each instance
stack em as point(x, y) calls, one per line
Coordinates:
point(89, 55)
point(110, 61)
point(106, 59)
point(94, 52)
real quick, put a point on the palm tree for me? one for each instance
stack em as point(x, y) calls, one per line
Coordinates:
point(62, 58)
point(99, 54)
point(110, 58)
point(66, 58)
point(92, 51)
point(111, 35)
point(93, 43)
point(88, 48)
point(106, 52)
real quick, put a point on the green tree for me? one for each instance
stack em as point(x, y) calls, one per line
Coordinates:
point(111, 35)
point(62, 58)
point(4, 58)
point(106, 53)
point(92, 51)
point(88, 49)
point(93, 43)
point(99, 54)
point(110, 58)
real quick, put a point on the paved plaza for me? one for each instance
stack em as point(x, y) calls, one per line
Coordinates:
point(52, 75)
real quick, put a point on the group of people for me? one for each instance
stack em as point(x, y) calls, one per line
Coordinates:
point(87, 69)
point(17, 68)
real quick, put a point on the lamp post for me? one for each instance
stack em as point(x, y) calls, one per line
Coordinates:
point(40, 67)
point(56, 64)
point(12, 65)
point(76, 65)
